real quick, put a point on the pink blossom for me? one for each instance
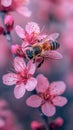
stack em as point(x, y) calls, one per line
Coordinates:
point(18, 5)
point(30, 35)
point(48, 96)
point(23, 77)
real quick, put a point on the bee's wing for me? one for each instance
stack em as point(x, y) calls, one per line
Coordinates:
point(52, 36)
point(53, 55)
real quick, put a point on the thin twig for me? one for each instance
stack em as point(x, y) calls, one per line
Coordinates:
point(45, 118)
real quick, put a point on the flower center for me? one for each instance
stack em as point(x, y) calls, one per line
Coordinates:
point(23, 76)
point(46, 97)
point(32, 38)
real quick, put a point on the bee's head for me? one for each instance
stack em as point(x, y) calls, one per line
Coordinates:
point(29, 53)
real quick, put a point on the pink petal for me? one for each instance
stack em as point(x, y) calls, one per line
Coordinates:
point(25, 46)
point(24, 11)
point(34, 101)
point(31, 84)
point(19, 90)
point(10, 79)
point(6, 3)
point(59, 101)
point(48, 109)
point(19, 64)
point(20, 31)
point(42, 84)
point(53, 36)
point(32, 27)
point(57, 88)
point(31, 67)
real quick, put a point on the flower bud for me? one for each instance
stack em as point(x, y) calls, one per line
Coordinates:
point(17, 50)
point(37, 126)
point(58, 122)
point(9, 22)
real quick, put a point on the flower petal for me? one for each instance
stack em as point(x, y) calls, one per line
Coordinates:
point(48, 109)
point(6, 3)
point(31, 67)
point(10, 79)
point(34, 101)
point(32, 27)
point(31, 84)
point(20, 31)
point(19, 64)
point(19, 90)
point(42, 84)
point(57, 88)
point(24, 11)
point(25, 46)
point(59, 101)
point(53, 36)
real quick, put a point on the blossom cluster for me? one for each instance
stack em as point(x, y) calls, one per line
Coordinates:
point(35, 49)
point(46, 95)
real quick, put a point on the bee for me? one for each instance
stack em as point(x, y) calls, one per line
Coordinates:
point(44, 48)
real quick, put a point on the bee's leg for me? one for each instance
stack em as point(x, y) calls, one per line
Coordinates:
point(40, 62)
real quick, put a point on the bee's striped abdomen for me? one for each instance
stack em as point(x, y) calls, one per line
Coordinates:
point(54, 45)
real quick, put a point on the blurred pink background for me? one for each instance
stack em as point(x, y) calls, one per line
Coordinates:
point(54, 16)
